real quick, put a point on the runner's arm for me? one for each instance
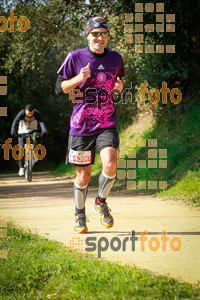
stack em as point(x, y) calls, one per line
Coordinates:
point(66, 86)
point(58, 88)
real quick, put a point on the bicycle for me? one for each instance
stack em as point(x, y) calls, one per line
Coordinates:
point(29, 158)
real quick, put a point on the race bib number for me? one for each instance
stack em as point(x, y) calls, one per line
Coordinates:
point(80, 157)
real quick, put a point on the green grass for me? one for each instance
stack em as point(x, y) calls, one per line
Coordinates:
point(182, 140)
point(65, 170)
point(37, 268)
point(187, 189)
point(8, 172)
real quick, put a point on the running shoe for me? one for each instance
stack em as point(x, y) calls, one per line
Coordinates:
point(80, 223)
point(21, 172)
point(105, 218)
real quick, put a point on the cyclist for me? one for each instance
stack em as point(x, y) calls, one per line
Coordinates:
point(95, 70)
point(27, 121)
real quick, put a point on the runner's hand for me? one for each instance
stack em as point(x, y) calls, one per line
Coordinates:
point(38, 135)
point(85, 73)
point(118, 85)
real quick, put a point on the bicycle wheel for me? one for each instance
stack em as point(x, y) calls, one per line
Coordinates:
point(30, 165)
point(26, 167)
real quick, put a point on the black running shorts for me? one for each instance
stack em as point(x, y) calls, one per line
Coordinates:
point(81, 149)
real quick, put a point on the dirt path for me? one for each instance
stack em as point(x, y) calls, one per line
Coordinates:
point(46, 206)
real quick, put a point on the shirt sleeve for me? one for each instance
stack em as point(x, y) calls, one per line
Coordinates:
point(58, 88)
point(121, 70)
point(67, 70)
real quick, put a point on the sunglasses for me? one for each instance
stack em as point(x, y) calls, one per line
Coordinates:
point(97, 34)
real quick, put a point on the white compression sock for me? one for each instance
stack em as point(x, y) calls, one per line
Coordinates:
point(80, 194)
point(105, 184)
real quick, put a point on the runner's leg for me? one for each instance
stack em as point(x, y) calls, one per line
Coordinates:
point(83, 175)
point(106, 181)
point(107, 144)
point(85, 145)
point(107, 177)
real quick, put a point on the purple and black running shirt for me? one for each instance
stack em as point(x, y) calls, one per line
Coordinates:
point(97, 110)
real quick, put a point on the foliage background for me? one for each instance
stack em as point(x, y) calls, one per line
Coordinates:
point(31, 60)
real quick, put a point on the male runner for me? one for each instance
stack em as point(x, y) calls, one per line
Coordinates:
point(27, 121)
point(95, 71)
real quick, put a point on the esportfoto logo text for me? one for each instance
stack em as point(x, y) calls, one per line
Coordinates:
point(116, 244)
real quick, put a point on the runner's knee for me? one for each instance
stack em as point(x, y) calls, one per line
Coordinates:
point(83, 175)
point(110, 167)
